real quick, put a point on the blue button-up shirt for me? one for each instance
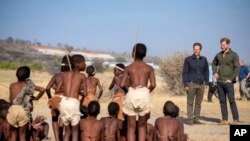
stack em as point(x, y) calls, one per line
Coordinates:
point(195, 70)
point(243, 72)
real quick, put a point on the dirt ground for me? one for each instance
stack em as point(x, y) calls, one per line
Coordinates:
point(210, 113)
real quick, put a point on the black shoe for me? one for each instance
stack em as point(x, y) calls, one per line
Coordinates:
point(248, 99)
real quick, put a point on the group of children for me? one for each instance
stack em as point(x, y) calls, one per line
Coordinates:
point(75, 107)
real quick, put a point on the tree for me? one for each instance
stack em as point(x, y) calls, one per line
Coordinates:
point(98, 64)
point(10, 40)
point(171, 71)
point(120, 59)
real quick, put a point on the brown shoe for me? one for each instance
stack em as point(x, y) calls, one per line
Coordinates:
point(223, 122)
point(196, 121)
point(235, 122)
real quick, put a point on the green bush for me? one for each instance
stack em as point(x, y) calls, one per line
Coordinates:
point(9, 65)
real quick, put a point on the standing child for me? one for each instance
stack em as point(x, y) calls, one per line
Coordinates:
point(91, 84)
point(119, 94)
point(21, 96)
point(53, 83)
point(138, 98)
point(73, 83)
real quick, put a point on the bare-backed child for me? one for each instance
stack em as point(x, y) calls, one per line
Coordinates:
point(92, 129)
point(112, 124)
point(21, 96)
point(137, 100)
point(40, 128)
point(53, 83)
point(4, 125)
point(91, 85)
point(169, 128)
point(69, 105)
point(119, 94)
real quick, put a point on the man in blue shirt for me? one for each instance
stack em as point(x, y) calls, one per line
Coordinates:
point(195, 76)
point(244, 74)
point(212, 86)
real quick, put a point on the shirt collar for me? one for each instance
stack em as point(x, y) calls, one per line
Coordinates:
point(229, 51)
point(194, 57)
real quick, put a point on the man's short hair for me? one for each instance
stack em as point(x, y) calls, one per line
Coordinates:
point(23, 73)
point(170, 109)
point(90, 70)
point(197, 44)
point(227, 40)
point(66, 63)
point(113, 108)
point(93, 108)
point(139, 51)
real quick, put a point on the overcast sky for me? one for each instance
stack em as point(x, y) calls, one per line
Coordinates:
point(165, 26)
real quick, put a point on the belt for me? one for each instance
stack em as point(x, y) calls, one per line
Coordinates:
point(199, 83)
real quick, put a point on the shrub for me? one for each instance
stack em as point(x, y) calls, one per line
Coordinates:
point(171, 71)
point(98, 64)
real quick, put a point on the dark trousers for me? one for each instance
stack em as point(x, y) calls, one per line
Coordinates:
point(211, 91)
point(226, 90)
point(194, 100)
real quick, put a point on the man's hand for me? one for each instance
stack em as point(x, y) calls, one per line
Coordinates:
point(186, 89)
point(206, 86)
point(228, 81)
point(215, 76)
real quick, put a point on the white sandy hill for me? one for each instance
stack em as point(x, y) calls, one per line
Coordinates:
point(61, 52)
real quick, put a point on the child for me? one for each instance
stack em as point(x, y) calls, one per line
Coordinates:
point(91, 84)
point(91, 128)
point(40, 128)
point(168, 127)
point(53, 83)
point(119, 94)
point(21, 96)
point(73, 83)
point(112, 124)
point(4, 125)
point(138, 98)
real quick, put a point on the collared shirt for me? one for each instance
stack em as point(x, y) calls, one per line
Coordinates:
point(226, 65)
point(195, 70)
point(243, 72)
point(210, 74)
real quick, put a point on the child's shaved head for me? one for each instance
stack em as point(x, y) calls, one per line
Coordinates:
point(93, 108)
point(139, 51)
point(90, 70)
point(113, 109)
point(170, 109)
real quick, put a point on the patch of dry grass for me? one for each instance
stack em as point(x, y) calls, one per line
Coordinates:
point(210, 111)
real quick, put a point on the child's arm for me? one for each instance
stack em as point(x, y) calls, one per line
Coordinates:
point(124, 80)
point(49, 86)
point(111, 86)
point(100, 89)
point(152, 80)
point(41, 92)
